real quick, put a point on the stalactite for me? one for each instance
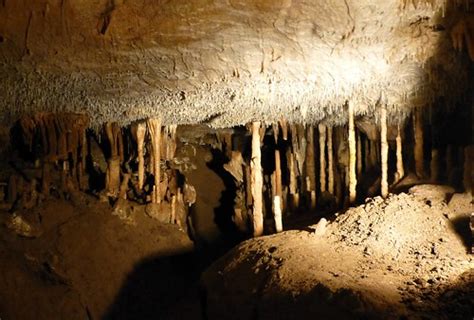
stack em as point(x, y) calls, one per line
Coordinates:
point(61, 127)
point(352, 155)
point(359, 153)
point(257, 181)
point(330, 161)
point(276, 131)
point(400, 169)
point(298, 144)
point(418, 134)
point(169, 145)
point(284, 129)
point(322, 158)
point(154, 127)
point(262, 131)
point(384, 151)
point(310, 167)
point(140, 136)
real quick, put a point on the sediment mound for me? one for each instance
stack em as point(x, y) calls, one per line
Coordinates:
point(404, 256)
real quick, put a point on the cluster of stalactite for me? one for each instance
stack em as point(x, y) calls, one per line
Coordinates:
point(348, 155)
point(137, 164)
point(60, 142)
point(278, 169)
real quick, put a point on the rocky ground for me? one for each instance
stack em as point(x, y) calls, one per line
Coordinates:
point(402, 257)
point(65, 260)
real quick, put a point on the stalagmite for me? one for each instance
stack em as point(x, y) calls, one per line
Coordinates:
point(154, 127)
point(384, 151)
point(310, 167)
point(330, 162)
point(322, 157)
point(277, 214)
point(140, 135)
point(124, 186)
point(400, 170)
point(173, 209)
point(257, 181)
point(418, 134)
point(352, 155)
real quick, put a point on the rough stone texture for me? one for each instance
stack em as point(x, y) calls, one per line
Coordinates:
point(397, 258)
point(224, 63)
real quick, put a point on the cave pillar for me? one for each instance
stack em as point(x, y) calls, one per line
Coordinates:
point(352, 155)
point(113, 131)
point(400, 170)
point(256, 180)
point(310, 167)
point(140, 135)
point(278, 194)
point(154, 127)
point(322, 157)
point(359, 153)
point(384, 151)
point(330, 162)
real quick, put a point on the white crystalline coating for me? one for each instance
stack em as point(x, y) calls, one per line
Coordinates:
point(226, 63)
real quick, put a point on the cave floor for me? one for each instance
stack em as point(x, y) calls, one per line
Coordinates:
point(76, 259)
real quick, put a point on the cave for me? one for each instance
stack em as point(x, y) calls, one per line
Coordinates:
point(236, 159)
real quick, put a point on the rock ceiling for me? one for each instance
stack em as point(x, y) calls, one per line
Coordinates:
point(225, 63)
